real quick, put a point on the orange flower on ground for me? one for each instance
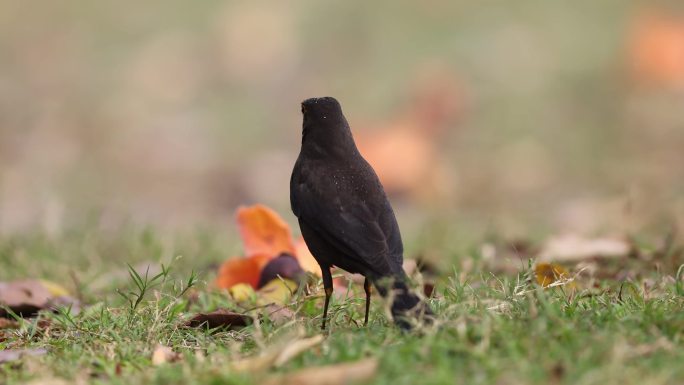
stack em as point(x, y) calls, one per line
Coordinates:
point(656, 47)
point(241, 270)
point(265, 236)
point(263, 231)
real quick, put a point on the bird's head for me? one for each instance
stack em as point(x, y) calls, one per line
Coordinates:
point(325, 125)
point(321, 109)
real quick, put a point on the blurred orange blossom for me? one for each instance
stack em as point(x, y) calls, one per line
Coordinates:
point(265, 236)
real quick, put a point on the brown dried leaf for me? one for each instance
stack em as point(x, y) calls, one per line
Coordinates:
point(346, 373)
point(219, 319)
point(24, 297)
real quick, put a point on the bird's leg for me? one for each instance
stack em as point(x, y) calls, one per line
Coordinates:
point(367, 287)
point(328, 286)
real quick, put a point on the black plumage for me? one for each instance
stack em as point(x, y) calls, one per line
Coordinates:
point(343, 212)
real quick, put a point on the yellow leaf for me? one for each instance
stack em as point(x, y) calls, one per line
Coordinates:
point(549, 273)
point(276, 291)
point(241, 292)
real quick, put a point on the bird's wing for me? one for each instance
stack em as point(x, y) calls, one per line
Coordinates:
point(350, 226)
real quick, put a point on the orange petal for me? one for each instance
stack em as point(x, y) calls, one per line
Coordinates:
point(263, 231)
point(262, 259)
point(657, 48)
point(238, 270)
point(306, 259)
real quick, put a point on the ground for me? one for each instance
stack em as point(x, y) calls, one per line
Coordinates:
point(492, 328)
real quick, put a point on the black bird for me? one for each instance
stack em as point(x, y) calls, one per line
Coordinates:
point(343, 212)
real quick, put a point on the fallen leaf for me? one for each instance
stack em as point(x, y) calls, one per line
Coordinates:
point(571, 248)
point(346, 373)
point(219, 319)
point(284, 266)
point(276, 291)
point(164, 354)
point(550, 273)
point(24, 297)
point(263, 231)
point(8, 355)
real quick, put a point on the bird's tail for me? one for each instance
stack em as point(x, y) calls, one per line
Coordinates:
point(407, 307)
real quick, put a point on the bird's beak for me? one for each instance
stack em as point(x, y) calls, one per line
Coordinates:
point(303, 108)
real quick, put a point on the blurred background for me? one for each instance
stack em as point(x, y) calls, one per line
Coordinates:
point(522, 118)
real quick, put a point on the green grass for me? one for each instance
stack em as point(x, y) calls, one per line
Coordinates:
point(490, 329)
